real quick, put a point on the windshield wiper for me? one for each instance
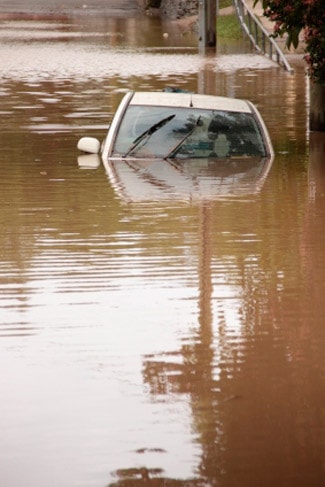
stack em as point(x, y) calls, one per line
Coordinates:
point(147, 133)
point(176, 148)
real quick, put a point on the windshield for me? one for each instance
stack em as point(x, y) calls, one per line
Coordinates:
point(187, 133)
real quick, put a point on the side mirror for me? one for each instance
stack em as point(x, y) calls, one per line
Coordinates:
point(89, 161)
point(89, 145)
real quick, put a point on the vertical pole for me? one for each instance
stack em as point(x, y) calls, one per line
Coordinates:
point(207, 24)
point(317, 107)
point(212, 23)
point(202, 24)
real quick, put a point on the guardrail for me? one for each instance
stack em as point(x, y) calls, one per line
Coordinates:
point(259, 35)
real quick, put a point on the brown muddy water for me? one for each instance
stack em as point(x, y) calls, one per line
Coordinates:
point(152, 340)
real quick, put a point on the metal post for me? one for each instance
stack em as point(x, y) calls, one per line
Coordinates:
point(207, 23)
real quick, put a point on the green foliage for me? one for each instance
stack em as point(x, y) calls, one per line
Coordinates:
point(225, 3)
point(228, 27)
point(301, 17)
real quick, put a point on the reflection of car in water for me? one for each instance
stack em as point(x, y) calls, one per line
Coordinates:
point(174, 139)
point(197, 179)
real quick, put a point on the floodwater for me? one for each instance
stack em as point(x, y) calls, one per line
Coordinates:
point(147, 339)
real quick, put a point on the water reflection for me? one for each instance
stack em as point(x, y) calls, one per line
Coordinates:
point(162, 340)
point(316, 169)
point(192, 181)
point(247, 330)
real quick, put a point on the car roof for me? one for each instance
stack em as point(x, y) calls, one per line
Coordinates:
point(190, 100)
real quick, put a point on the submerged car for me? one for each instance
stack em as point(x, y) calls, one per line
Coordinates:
point(171, 125)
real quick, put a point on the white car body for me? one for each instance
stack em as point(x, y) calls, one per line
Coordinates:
point(189, 102)
point(162, 145)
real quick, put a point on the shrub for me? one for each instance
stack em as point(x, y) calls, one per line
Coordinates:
point(292, 18)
